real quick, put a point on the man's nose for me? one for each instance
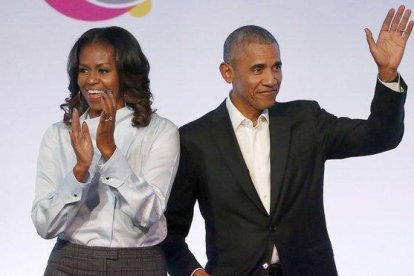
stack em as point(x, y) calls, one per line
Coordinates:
point(270, 78)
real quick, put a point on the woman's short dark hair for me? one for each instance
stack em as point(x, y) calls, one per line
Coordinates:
point(132, 68)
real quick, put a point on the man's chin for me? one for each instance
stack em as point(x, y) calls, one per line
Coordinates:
point(269, 105)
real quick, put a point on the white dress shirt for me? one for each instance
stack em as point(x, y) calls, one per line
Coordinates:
point(254, 143)
point(121, 204)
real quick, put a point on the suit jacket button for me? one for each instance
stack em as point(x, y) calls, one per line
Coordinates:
point(265, 266)
point(272, 228)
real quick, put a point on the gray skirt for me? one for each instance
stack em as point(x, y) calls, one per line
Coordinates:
point(72, 259)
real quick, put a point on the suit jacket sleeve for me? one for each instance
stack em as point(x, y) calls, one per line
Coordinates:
point(179, 214)
point(382, 131)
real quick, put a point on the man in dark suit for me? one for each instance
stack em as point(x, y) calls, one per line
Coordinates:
point(256, 167)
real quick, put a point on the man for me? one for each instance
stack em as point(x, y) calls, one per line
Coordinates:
point(256, 167)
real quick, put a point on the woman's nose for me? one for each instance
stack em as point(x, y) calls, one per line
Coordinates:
point(92, 78)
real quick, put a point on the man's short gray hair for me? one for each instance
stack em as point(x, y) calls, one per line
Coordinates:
point(246, 34)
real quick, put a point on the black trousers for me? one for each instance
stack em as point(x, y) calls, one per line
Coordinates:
point(72, 259)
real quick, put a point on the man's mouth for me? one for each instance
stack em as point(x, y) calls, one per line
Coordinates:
point(272, 91)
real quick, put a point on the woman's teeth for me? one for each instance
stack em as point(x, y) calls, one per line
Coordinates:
point(96, 91)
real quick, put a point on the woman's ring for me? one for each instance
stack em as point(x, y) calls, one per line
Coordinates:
point(108, 119)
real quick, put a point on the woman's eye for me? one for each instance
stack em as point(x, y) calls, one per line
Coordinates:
point(83, 70)
point(103, 71)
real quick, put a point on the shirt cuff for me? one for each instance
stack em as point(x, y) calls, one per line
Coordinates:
point(115, 170)
point(394, 86)
point(70, 189)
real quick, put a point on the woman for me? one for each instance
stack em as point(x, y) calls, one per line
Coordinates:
point(105, 173)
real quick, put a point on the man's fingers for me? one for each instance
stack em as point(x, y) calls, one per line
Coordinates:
point(408, 30)
point(200, 272)
point(403, 24)
point(387, 21)
point(370, 39)
point(397, 18)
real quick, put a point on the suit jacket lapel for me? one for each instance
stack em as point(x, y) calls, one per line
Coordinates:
point(225, 139)
point(279, 129)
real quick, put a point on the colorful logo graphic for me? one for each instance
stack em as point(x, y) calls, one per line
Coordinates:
point(96, 10)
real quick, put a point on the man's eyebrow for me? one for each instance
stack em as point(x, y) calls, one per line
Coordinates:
point(262, 65)
point(258, 66)
point(278, 63)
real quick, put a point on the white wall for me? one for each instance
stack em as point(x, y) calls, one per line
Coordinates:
point(369, 200)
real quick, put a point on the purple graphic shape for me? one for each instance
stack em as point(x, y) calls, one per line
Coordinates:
point(83, 10)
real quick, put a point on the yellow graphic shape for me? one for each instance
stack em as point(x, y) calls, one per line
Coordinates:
point(141, 9)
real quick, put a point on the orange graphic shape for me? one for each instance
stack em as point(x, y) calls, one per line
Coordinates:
point(141, 9)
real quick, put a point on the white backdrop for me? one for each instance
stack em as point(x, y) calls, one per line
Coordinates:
point(369, 200)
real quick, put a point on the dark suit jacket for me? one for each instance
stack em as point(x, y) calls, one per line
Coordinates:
point(240, 234)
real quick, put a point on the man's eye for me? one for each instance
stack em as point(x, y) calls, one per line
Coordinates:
point(257, 70)
point(278, 67)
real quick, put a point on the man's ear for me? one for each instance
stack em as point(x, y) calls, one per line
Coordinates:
point(226, 72)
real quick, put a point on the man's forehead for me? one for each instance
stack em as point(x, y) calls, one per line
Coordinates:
point(255, 49)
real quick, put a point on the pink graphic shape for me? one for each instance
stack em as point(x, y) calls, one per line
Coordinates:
point(83, 10)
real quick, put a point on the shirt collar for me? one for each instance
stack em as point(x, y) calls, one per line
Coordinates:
point(237, 118)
